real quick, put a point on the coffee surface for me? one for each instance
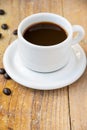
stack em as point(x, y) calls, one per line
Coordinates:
point(45, 34)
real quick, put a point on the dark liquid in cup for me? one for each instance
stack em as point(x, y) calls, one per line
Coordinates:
point(45, 34)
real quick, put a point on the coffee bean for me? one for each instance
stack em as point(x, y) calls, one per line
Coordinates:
point(2, 12)
point(7, 76)
point(9, 128)
point(4, 26)
point(2, 71)
point(7, 91)
point(0, 35)
point(15, 32)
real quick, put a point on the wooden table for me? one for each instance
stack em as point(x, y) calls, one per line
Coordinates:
point(28, 109)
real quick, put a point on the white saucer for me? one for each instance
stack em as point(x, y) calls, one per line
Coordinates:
point(44, 81)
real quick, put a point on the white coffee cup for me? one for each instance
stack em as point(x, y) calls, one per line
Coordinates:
point(47, 58)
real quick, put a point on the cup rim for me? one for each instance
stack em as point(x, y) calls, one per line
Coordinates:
point(20, 35)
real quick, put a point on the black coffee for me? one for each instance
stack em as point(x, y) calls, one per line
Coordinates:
point(45, 34)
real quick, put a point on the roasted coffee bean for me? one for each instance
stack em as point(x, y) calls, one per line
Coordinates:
point(9, 128)
point(2, 12)
point(4, 26)
point(6, 91)
point(7, 76)
point(0, 35)
point(15, 32)
point(2, 71)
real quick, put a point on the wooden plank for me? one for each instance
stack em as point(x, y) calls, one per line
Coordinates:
point(27, 108)
point(6, 39)
point(75, 11)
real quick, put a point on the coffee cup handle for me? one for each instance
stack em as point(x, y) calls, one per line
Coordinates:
point(80, 33)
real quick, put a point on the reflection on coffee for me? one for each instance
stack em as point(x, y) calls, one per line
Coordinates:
point(45, 34)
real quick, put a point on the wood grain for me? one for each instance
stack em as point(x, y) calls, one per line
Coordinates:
point(61, 109)
point(76, 13)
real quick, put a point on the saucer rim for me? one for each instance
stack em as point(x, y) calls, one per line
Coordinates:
point(39, 86)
